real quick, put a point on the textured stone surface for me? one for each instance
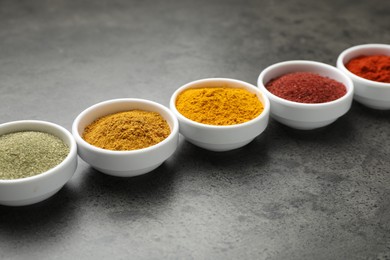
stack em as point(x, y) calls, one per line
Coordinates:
point(323, 194)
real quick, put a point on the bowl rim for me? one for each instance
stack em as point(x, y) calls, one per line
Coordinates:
point(85, 144)
point(349, 87)
point(266, 104)
point(72, 148)
point(370, 46)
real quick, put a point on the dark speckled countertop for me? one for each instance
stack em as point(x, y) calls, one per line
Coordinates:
point(322, 194)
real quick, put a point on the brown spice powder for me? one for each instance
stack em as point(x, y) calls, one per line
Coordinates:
point(130, 130)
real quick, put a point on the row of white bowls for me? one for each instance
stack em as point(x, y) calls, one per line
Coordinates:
point(215, 138)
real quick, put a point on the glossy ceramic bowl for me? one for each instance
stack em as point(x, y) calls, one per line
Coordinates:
point(303, 115)
point(125, 163)
point(30, 190)
point(370, 93)
point(221, 138)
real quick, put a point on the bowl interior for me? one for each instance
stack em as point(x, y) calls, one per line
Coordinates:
point(221, 83)
point(321, 69)
point(40, 126)
point(114, 106)
point(46, 127)
point(366, 50)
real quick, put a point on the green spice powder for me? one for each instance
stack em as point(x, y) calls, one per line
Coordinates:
point(28, 153)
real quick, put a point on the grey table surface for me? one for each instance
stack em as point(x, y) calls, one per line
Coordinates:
point(322, 194)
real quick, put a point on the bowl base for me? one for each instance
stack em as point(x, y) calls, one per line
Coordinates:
point(219, 147)
point(131, 173)
point(29, 201)
point(373, 103)
point(302, 125)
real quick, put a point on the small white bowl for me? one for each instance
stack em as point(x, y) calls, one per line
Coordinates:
point(125, 163)
point(30, 190)
point(306, 116)
point(370, 93)
point(221, 138)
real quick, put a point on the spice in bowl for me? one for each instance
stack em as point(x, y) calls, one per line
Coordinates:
point(219, 105)
point(28, 153)
point(129, 130)
point(306, 87)
point(372, 67)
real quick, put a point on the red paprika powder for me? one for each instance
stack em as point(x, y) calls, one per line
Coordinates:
point(375, 67)
point(306, 87)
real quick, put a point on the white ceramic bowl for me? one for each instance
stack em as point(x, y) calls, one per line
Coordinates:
point(370, 93)
point(221, 138)
point(125, 163)
point(30, 190)
point(306, 116)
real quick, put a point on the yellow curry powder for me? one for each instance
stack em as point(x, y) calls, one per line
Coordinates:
point(130, 130)
point(218, 105)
